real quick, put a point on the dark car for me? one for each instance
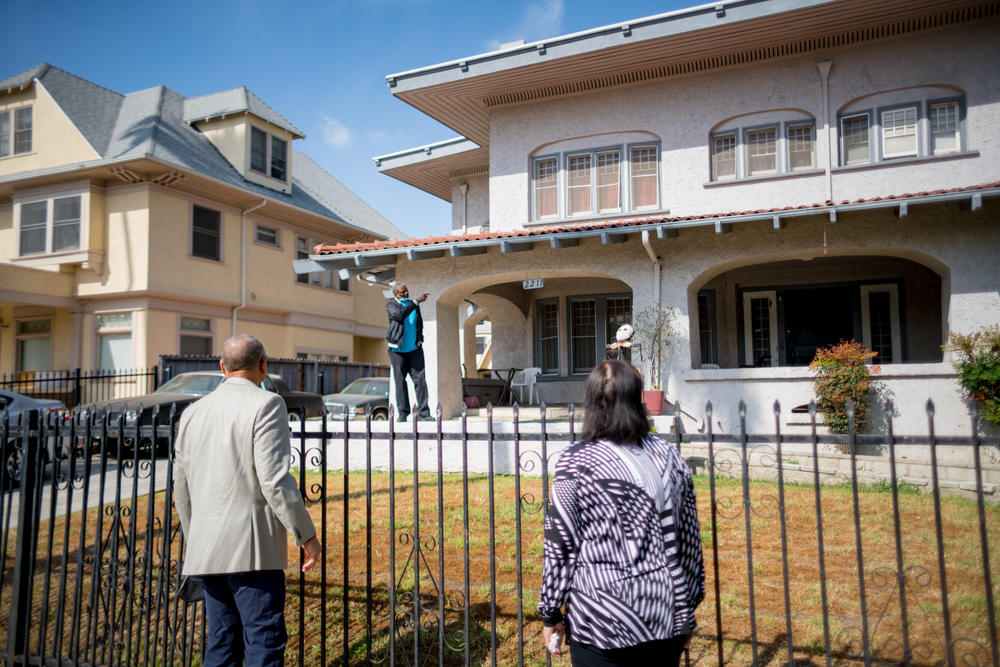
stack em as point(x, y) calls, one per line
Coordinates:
point(12, 406)
point(362, 397)
point(178, 393)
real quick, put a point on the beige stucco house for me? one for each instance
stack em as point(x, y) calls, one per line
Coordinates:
point(785, 174)
point(148, 223)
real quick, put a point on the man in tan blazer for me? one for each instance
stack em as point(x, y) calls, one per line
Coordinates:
point(236, 499)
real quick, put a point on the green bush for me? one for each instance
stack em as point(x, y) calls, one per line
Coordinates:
point(842, 373)
point(977, 360)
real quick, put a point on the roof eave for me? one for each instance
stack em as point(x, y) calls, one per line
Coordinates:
point(383, 257)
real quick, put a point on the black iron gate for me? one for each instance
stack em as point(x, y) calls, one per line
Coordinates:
point(432, 545)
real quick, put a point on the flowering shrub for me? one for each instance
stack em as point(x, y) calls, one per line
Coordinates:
point(843, 372)
point(978, 364)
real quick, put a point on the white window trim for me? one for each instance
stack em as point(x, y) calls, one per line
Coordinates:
point(917, 122)
point(267, 160)
point(771, 296)
point(277, 236)
point(79, 255)
point(866, 326)
point(10, 139)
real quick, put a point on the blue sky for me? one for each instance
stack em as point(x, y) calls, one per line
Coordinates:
point(320, 64)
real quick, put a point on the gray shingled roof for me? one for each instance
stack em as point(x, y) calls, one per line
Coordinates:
point(235, 101)
point(154, 123)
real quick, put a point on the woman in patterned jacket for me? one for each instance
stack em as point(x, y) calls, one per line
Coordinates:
point(622, 543)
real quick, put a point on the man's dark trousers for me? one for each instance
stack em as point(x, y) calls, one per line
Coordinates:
point(412, 364)
point(246, 619)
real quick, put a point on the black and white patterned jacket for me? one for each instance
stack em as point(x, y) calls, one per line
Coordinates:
point(622, 544)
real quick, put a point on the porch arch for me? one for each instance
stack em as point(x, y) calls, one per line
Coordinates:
point(775, 309)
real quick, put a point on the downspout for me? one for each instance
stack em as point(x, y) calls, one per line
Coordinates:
point(656, 264)
point(824, 71)
point(243, 260)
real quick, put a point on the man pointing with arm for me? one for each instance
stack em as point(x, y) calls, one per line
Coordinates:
point(236, 499)
point(405, 337)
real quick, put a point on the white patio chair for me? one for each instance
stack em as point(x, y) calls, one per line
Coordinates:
point(526, 378)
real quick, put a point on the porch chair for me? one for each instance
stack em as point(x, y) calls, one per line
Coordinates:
point(526, 378)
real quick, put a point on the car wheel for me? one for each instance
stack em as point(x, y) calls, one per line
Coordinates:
point(379, 416)
point(11, 467)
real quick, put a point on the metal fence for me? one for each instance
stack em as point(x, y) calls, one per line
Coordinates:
point(321, 377)
point(79, 386)
point(433, 538)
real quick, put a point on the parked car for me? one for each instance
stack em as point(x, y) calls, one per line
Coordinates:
point(13, 405)
point(180, 392)
point(362, 397)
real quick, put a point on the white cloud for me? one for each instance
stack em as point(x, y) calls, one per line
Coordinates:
point(540, 19)
point(336, 133)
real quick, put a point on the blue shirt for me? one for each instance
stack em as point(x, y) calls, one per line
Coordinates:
point(409, 342)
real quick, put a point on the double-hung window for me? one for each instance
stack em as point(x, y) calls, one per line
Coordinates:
point(34, 345)
point(583, 335)
point(330, 279)
point(15, 131)
point(206, 233)
point(854, 132)
point(50, 225)
point(945, 127)
point(801, 143)
point(762, 151)
point(268, 154)
point(724, 157)
point(644, 176)
point(609, 198)
point(548, 336)
point(578, 195)
point(546, 185)
point(899, 132)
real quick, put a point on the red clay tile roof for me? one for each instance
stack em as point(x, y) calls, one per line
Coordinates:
point(340, 248)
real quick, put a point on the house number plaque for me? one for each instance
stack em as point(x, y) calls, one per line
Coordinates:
point(534, 283)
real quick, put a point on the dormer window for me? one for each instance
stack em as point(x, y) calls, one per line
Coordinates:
point(15, 131)
point(268, 154)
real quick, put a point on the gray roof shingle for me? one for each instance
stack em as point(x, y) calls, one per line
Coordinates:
point(235, 101)
point(155, 123)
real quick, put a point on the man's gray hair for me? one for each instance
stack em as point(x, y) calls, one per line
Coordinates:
point(242, 353)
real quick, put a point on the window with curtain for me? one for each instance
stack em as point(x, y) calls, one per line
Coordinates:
point(899, 132)
point(644, 169)
point(546, 188)
point(579, 185)
point(608, 182)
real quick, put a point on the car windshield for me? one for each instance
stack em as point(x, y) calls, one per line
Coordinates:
point(195, 384)
point(367, 387)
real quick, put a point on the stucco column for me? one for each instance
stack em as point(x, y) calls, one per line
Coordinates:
point(444, 364)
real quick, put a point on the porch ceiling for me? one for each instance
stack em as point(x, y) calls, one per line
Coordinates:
point(460, 93)
point(376, 261)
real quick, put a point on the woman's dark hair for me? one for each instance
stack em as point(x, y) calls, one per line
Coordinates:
point(613, 404)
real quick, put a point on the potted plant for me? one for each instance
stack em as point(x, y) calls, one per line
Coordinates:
point(655, 327)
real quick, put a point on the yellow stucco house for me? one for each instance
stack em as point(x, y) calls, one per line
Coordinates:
point(148, 223)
